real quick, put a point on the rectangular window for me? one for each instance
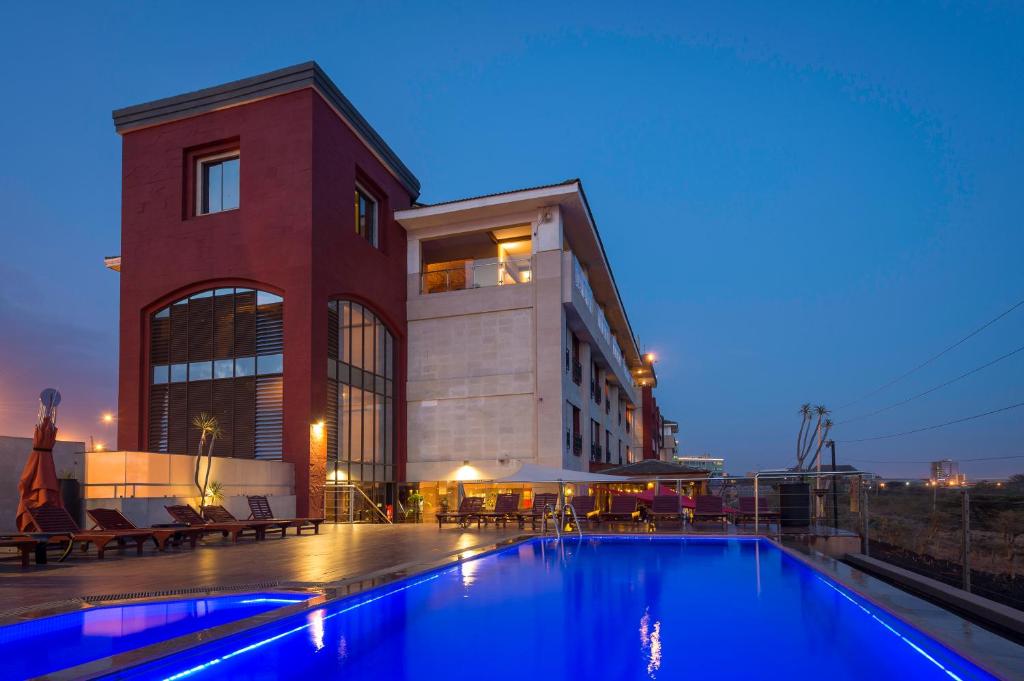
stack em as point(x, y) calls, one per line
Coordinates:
point(366, 216)
point(217, 183)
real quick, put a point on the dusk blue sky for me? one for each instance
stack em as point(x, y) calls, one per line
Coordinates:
point(799, 201)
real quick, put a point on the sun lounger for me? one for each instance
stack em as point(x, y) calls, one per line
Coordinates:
point(259, 509)
point(219, 514)
point(665, 508)
point(535, 514)
point(110, 519)
point(470, 509)
point(709, 507)
point(585, 507)
point(763, 513)
point(623, 509)
point(26, 546)
point(58, 521)
point(187, 515)
point(506, 507)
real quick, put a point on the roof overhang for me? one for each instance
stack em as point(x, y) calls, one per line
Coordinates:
point(580, 230)
point(239, 92)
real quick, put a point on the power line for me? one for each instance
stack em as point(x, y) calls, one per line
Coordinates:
point(939, 425)
point(931, 390)
point(933, 357)
point(983, 458)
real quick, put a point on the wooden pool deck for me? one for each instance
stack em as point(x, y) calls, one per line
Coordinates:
point(338, 553)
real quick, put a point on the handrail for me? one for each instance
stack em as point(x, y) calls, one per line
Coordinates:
point(368, 500)
point(558, 531)
point(575, 520)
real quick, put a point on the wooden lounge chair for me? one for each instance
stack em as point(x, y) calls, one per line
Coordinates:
point(665, 508)
point(187, 515)
point(506, 507)
point(26, 546)
point(470, 509)
point(623, 509)
point(259, 509)
point(110, 519)
point(763, 513)
point(58, 521)
point(535, 514)
point(585, 507)
point(219, 514)
point(709, 507)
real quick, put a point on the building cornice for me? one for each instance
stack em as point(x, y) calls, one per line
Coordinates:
point(272, 84)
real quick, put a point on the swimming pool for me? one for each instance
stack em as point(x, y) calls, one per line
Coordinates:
point(596, 608)
point(48, 644)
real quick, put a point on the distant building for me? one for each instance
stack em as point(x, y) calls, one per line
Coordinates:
point(944, 471)
point(669, 441)
point(705, 462)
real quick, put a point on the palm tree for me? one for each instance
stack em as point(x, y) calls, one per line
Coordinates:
point(805, 418)
point(208, 427)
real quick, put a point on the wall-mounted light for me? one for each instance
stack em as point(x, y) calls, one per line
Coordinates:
point(317, 429)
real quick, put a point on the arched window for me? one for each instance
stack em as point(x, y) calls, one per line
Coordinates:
point(218, 352)
point(360, 397)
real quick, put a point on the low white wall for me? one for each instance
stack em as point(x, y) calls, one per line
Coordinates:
point(146, 512)
point(140, 484)
point(148, 474)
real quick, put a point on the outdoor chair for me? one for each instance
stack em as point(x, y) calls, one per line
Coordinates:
point(623, 509)
point(219, 514)
point(536, 513)
point(585, 507)
point(26, 546)
point(762, 513)
point(187, 515)
point(58, 522)
point(469, 509)
point(709, 507)
point(506, 507)
point(112, 520)
point(665, 508)
point(259, 509)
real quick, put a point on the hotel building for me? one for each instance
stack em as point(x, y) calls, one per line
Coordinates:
point(278, 274)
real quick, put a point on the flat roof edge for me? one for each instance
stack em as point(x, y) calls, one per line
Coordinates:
point(281, 81)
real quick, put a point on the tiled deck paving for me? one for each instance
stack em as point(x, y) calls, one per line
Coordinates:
point(339, 552)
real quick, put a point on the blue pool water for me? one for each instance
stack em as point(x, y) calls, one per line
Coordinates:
point(51, 643)
point(595, 609)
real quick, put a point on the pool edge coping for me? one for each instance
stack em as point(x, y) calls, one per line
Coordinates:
point(827, 565)
point(329, 592)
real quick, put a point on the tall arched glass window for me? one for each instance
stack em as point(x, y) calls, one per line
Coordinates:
point(360, 397)
point(218, 352)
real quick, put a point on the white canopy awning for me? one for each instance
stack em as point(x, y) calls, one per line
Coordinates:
point(531, 472)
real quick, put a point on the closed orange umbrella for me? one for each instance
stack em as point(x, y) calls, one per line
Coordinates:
point(38, 483)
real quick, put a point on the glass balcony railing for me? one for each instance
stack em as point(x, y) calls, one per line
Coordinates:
point(476, 274)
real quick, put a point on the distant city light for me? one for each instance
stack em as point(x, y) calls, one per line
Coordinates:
point(107, 417)
point(99, 447)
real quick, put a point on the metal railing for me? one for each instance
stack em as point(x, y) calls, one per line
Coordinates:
point(968, 537)
point(477, 274)
point(347, 495)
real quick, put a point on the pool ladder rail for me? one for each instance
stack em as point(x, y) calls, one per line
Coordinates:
point(567, 509)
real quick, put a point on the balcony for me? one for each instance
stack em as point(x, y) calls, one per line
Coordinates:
point(468, 274)
point(595, 453)
point(577, 445)
point(476, 260)
point(577, 372)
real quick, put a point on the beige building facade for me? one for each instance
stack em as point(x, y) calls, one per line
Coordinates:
point(519, 348)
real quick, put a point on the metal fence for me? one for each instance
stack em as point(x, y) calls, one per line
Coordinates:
point(968, 537)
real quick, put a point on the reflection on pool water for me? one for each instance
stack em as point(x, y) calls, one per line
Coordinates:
point(597, 608)
point(45, 645)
